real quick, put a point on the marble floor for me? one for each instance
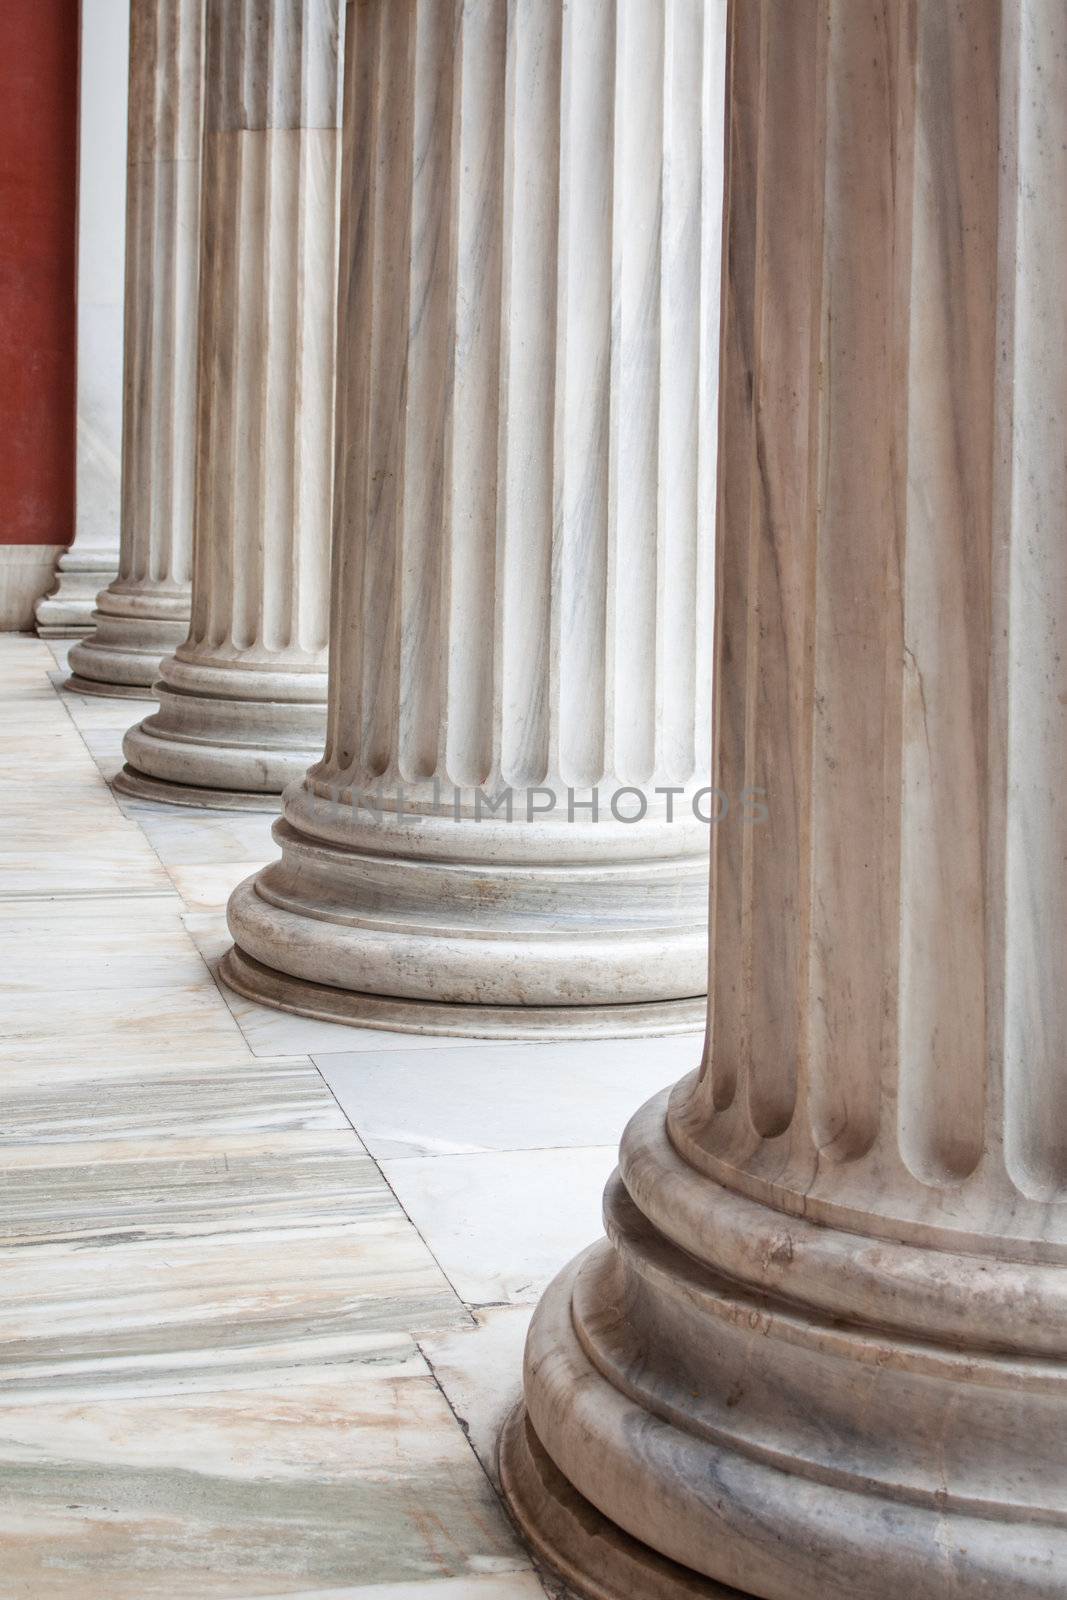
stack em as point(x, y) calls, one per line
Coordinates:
point(265, 1280)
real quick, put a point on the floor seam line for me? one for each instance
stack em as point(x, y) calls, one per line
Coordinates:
point(385, 1179)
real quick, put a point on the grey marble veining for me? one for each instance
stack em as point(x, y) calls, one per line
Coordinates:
point(210, 1381)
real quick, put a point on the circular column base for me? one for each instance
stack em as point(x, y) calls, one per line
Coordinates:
point(135, 630)
point(596, 1559)
point(254, 981)
point(76, 684)
point(138, 786)
point(64, 630)
point(225, 736)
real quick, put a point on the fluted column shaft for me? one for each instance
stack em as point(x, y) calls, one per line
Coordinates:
point(824, 1351)
point(144, 614)
point(522, 570)
point(92, 558)
point(242, 700)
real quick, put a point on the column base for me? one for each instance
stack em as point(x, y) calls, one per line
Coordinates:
point(487, 930)
point(132, 634)
point(225, 736)
point(67, 612)
point(138, 786)
point(596, 1559)
point(254, 981)
point(109, 691)
point(735, 1437)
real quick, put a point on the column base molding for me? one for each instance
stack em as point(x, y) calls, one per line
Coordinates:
point(501, 931)
point(250, 978)
point(67, 612)
point(76, 684)
point(748, 1439)
point(132, 633)
point(596, 1559)
point(138, 786)
point(226, 736)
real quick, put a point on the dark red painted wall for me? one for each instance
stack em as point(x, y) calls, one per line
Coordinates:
point(38, 182)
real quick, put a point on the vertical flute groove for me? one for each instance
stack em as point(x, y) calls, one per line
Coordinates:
point(268, 307)
point(529, 531)
point(162, 246)
point(887, 1003)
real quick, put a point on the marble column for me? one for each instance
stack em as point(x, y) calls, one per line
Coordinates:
point(822, 1352)
point(92, 558)
point(144, 614)
point(522, 577)
point(242, 701)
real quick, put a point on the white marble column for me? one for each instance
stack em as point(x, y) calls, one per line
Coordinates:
point(522, 566)
point(144, 614)
point(92, 559)
point(822, 1352)
point(242, 700)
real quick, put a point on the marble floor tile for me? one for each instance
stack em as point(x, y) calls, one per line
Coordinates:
point(137, 1101)
point(105, 747)
point(125, 943)
point(503, 1224)
point(207, 886)
point(190, 1022)
point(36, 709)
point(175, 1284)
point(352, 1477)
point(97, 870)
point(503, 1097)
point(97, 711)
point(59, 650)
point(59, 740)
point(185, 837)
point(479, 1367)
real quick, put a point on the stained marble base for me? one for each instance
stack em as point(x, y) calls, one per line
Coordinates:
point(596, 1559)
point(765, 1437)
point(109, 691)
point(141, 787)
point(251, 978)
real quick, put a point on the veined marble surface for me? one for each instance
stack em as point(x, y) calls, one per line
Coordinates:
point(253, 1345)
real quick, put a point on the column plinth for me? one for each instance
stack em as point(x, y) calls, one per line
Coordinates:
point(144, 614)
point(242, 699)
point(823, 1349)
point(531, 229)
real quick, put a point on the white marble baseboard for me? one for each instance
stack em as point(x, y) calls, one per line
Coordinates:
point(27, 572)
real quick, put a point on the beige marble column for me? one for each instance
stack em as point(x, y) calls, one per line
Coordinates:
point(242, 700)
point(144, 614)
point(822, 1352)
point(91, 561)
point(522, 583)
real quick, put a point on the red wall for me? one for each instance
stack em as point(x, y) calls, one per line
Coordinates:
point(38, 181)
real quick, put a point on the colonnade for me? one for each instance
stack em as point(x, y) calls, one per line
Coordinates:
point(821, 1351)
